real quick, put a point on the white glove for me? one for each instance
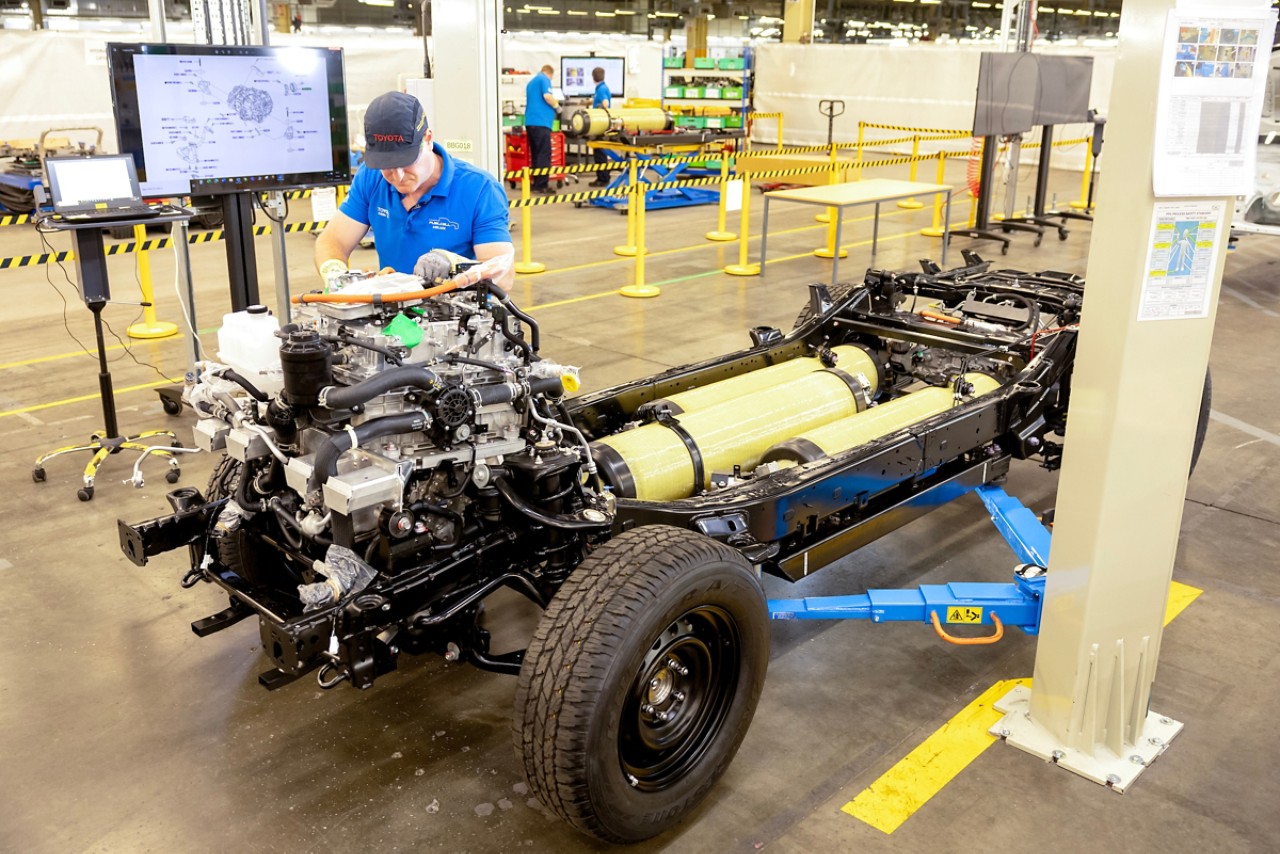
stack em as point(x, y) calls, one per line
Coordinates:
point(331, 271)
point(437, 265)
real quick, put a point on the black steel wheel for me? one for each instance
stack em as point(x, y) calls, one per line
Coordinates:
point(1202, 420)
point(641, 681)
point(38, 474)
point(170, 406)
point(85, 493)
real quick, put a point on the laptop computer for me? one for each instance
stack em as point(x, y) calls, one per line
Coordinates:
point(98, 187)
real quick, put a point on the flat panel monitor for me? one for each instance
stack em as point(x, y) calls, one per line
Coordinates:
point(575, 75)
point(1064, 90)
point(1007, 86)
point(216, 119)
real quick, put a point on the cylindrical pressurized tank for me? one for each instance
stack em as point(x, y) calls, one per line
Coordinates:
point(598, 122)
point(849, 357)
point(882, 420)
point(656, 462)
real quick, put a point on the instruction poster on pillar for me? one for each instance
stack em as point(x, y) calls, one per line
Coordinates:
point(1181, 258)
point(1213, 76)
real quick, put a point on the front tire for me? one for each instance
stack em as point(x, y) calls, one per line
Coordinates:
point(641, 681)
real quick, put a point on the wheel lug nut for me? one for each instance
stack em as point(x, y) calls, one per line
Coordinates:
point(677, 696)
point(665, 716)
point(647, 709)
point(677, 667)
point(653, 683)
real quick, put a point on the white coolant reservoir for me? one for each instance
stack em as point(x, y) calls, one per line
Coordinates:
point(247, 342)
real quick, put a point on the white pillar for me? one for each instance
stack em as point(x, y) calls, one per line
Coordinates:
point(1135, 396)
point(466, 36)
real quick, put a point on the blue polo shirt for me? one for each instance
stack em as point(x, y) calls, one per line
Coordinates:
point(537, 112)
point(466, 206)
point(602, 95)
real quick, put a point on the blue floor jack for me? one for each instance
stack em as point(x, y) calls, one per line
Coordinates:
point(958, 603)
point(659, 197)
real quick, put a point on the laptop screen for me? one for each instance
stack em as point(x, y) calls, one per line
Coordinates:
point(79, 182)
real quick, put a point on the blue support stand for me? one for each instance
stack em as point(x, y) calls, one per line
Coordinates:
point(960, 603)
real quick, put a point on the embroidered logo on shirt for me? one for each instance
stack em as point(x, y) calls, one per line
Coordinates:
point(442, 223)
point(383, 212)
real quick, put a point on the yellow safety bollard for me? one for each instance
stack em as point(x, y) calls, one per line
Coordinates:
point(913, 204)
point(526, 265)
point(720, 234)
point(935, 229)
point(1082, 204)
point(630, 247)
point(858, 160)
point(830, 249)
point(779, 148)
point(638, 289)
point(149, 327)
point(743, 267)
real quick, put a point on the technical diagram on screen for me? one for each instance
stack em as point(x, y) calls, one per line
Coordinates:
point(225, 119)
point(575, 75)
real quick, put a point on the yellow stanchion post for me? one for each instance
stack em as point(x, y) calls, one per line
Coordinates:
point(630, 247)
point(973, 211)
point(862, 126)
point(149, 327)
point(720, 234)
point(913, 204)
point(744, 267)
point(526, 265)
point(638, 289)
point(1082, 203)
point(829, 250)
point(779, 147)
point(935, 228)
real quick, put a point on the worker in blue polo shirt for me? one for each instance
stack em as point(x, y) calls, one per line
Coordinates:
point(539, 117)
point(602, 100)
point(415, 197)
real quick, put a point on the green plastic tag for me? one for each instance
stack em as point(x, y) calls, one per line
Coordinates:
point(409, 333)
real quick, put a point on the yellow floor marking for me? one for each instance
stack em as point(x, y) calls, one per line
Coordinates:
point(1180, 596)
point(85, 397)
point(94, 353)
point(902, 790)
point(908, 785)
point(614, 291)
point(704, 245)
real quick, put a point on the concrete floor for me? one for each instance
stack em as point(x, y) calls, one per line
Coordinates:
point(121, 731)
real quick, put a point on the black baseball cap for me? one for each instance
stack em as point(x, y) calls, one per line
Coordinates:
point(393, 128)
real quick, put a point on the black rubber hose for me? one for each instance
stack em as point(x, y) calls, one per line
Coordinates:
point(535, 336)
point(326, 462)
point(533, 513)
point(344, 340)
point(361, 393)
point(254, 391)
point(289, 526)
point(506, 392)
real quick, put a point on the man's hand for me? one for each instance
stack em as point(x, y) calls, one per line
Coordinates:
point(331, 271)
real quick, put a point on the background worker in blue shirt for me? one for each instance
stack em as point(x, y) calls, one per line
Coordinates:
point(539, 115)
point(601, 100)
point(415, 197)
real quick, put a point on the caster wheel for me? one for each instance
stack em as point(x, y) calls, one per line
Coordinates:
point(1062, 234)
point(85, 493)
point(37, 474)
point(577, 204)
point(171, 407)
point(172, 475)
point(1004, 249)
point(1037, 243)
point(177, 443)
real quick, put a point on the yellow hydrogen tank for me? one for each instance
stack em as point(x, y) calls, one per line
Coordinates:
point(883, 420)
point(850, 359)
point(597, 122)
point(653, 463)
